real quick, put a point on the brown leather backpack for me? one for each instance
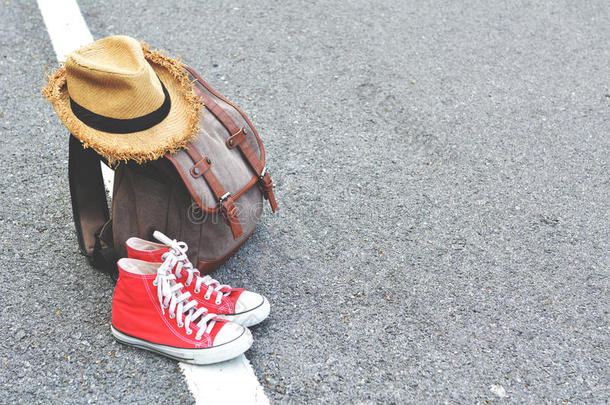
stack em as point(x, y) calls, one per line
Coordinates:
point(209, 195)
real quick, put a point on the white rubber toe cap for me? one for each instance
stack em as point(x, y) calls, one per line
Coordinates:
point(247, 301)
point(251, 309)
point(229, 332)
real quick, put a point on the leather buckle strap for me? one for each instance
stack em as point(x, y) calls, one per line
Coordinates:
point(264, 180)
point(226, 205)
point(267, 185)
point(239, 140)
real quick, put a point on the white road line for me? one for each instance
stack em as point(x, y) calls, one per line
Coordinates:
point(230, 382)
point(68, 31)
point(66, 26)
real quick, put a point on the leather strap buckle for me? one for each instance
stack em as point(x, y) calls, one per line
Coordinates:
point(222, 199)
point(266, 184)
point(264, 180)
point(262, 175)
point(228, 210)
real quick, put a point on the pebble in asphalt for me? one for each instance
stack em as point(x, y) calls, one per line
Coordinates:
point(442, 172)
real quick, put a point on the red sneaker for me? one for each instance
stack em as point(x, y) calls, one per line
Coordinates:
point(234, 304)
point(151, 310)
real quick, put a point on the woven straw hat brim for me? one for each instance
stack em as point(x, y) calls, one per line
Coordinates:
point(174, 132)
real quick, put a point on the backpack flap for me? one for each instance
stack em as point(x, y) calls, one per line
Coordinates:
point(224, 161)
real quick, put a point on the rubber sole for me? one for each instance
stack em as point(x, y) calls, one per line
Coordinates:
point(251, 317)
point(208, 355)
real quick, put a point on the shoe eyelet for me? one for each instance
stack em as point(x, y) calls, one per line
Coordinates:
point(155, 283)
point(197, 290)
point(172, 316)
point(217, 302)
point(187, 284)
point(206, 297)
point(189, 332)
point(180, 325)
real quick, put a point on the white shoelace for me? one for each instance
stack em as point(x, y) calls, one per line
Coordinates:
point(181, 262)
point(177, 303)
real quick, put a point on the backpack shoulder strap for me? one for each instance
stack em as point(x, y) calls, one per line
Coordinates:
point(89, 205)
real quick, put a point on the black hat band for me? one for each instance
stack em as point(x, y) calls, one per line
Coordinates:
point(122, 126)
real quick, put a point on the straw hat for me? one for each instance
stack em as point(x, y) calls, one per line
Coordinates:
point(124, 100)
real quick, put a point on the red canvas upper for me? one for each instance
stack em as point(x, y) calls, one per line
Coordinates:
point(153, 252)
point(136, 311)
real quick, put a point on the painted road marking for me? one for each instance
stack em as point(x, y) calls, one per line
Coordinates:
point(66, 26)
point(234, 376)
point(68, 31)
point(230, 382)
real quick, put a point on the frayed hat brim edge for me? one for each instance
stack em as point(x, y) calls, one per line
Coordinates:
point(55, 92)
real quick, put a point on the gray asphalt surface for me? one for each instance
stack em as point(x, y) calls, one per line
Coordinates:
point(443, 176)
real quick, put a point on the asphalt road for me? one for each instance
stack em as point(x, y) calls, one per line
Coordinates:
point(443, 176)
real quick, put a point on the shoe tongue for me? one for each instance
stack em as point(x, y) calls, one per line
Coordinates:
point(162, 238)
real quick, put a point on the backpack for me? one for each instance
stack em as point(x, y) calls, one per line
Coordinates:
point(209, 195)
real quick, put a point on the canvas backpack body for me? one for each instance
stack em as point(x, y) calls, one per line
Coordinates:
point(209, 195)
